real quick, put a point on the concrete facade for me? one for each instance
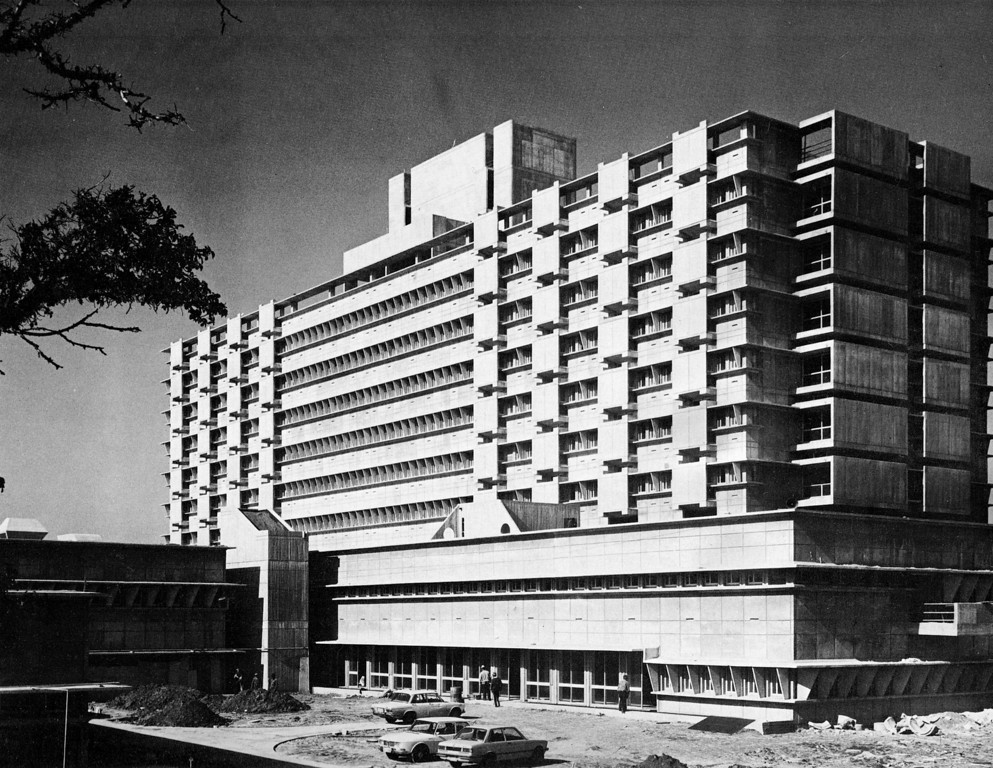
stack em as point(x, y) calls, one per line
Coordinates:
point(746, 327)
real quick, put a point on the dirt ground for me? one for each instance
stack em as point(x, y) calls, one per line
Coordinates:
point(592, 739)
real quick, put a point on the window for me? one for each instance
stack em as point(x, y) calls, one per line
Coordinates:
point(655, 215)
point(816, 424)
point(580, 342)
point(515, 359)
point(816, 480)
point(657, 375)
point(579, 442)
point(816, 312)
point(578, 392)
point(579, 242)
point(514, 452)
point(656, 162)
point(658, 268)
point(816, 142)
point(817, 368)
point(651, 429)
point(816, 254)
point(657, 322)
point(585, 191)
point(576, 293)
point(515, 311)
point(816, 198)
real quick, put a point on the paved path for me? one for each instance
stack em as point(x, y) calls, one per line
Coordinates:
point(259, 741)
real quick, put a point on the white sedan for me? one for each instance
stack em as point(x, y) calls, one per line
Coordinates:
point(421, 740)
point(407, 706)
point(486, 745)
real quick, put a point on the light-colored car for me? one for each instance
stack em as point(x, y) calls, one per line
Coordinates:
point(407, 706)
point(421, 740)
point(486, 745)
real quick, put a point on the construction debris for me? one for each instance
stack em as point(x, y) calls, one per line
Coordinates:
point(919, 725)
point(983, 718)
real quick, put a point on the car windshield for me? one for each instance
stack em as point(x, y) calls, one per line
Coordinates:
point(472, 734)
point(421, 727)
point(404, 697)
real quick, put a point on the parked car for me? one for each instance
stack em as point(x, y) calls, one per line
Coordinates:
point(407, 706)
point(421, 740)
point(486, 745)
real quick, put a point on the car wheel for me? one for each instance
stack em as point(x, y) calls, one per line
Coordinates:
point(420, 753)
point(537, 755)
point(455, 712)
point(409, 718)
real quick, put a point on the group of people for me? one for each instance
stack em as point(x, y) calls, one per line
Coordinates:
point(254, 684)
point(490, 685)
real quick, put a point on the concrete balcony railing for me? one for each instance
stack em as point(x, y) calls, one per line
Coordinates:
point(956, 619)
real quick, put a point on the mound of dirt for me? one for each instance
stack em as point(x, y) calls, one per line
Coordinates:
point(260, 702)
point(154, 697)
point(661, 761)
point(182, 714)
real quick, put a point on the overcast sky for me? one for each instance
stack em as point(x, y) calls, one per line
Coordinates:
point(300, 114)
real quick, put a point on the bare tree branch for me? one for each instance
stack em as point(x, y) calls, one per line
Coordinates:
point(29, 29)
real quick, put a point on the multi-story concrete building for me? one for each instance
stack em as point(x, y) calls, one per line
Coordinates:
point(723, 402)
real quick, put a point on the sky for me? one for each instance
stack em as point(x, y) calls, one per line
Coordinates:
point(299, 115)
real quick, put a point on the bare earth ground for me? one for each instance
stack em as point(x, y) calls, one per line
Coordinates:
point(599, 739)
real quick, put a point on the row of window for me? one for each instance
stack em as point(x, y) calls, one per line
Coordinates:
point(389, 515)
point(408, 386)
point(395, 305)
point(377, 353)
point(380, 433)
point(687, 580)
point(400, 472)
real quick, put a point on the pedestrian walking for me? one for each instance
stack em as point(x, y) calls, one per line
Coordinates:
point(496, 687)
point(623, 691)
point(484, 683)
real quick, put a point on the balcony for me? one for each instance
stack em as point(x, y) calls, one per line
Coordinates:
point(956, 620)
point(615, 204)
point(697, 228)
point(489, 435)
point(550, 227)
point(627, 304)
point(693, 175)
point(546, 375)
point(491, 481)
point(618, 464)
point(697, 396)
point(617, 255)
point(697, 340)
point(493, 249)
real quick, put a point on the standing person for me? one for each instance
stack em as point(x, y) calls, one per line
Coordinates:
point(362, 685)
point(484, 683)
point(623, 691)
point(256, 683)
point(496, 686)
point(239, 678)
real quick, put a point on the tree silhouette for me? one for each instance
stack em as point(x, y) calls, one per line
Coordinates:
point(105, 248)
